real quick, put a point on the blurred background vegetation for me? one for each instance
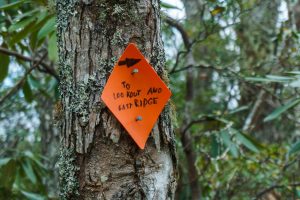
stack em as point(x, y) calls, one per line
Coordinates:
point(234, 68)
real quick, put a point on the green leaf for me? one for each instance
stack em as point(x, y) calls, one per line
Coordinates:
point(52, 48)
point(239, 109)
point(243, 138)
point(276, 78)
point(44, 17)
point(278, 111)
point(33, 40)
point(29, 171)
point(231, 173)
point(21, 24)
point(295, 83)
point(168, 6)
point(21, 34)
point(4, 60)
point(4, 161)
point(217, 10)
point(228, 143)
point(31, 28)
point(295, 148)
point(34, 12)
point(56, 92)
point(48, 27)
point(33, 196)
point(27, 92)
point(294, 72)
point(257, 79)
point(31, 156)
point(215, 147)
point(7, 173)
point(18, 180)
point(34, 83)
point(13, 5)
point(271, 79)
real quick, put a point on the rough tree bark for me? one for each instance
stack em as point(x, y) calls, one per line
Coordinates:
point(98, 158)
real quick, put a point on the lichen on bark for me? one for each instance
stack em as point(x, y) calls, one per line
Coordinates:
point(67, 171)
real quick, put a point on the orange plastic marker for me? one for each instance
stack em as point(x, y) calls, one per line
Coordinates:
point(135, 94)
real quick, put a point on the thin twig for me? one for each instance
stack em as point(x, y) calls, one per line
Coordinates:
point(201, 120)
point(20, 83)
point(191, 66)
point(177, 61)
point(47, 68)
point(265, 191)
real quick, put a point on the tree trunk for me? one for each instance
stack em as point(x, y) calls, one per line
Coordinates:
point(99, 160)
point(295, 14)
point(192, 9)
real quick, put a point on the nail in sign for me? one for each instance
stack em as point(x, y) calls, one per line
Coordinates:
point(135, 94)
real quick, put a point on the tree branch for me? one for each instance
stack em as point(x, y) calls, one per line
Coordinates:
point(228, 71)
point(201, 120)
point(249, 120)
point(185, 38)
point(47, 68)
point(20, 83)
point(179, 27)
point(191, 66)
point(265, 191)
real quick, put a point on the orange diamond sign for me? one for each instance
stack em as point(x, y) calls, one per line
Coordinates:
point(135, 94)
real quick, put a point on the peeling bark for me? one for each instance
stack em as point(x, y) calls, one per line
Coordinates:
point(99, 160)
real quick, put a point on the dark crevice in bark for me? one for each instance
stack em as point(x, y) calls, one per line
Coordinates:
point(89, 54)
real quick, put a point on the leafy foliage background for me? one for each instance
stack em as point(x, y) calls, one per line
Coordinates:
point(234, 71)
